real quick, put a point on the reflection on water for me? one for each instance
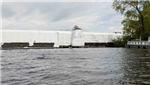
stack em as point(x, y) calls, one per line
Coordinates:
point(84, 66)
point(136, 66)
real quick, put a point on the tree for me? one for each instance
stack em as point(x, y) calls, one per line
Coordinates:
point(136, 14)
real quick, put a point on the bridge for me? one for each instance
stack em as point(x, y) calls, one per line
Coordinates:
point(75, 38)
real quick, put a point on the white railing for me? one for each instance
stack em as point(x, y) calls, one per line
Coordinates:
point(138, 42)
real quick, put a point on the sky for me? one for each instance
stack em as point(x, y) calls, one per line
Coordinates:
point(90, 15)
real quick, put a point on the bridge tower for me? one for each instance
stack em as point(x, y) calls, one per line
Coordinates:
point(77, 37)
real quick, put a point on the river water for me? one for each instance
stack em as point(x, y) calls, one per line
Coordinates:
point(79, 66)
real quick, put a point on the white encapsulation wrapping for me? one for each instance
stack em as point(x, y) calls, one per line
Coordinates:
point(30, 37)
point(43, 37)
point(64, 38)
point(15, 36)
point(99, 37)
point(77, 38)
point(0, 37)
point(59, 38)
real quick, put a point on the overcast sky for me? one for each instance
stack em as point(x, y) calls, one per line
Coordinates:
point(90, 16)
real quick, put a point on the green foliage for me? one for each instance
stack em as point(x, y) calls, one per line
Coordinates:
point(137, 18)
point(121, 41)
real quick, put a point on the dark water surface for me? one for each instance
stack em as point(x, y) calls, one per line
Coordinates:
point(83, 66)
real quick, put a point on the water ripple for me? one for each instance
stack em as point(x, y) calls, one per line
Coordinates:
point(93, 66)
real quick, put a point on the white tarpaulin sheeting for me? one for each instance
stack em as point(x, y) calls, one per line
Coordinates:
point(15, 36)
point(43, 37)
point(99, 37)
point(29, 36)
point(57, 37)
point(64, 38)
point(0, 37)
point(77, 38)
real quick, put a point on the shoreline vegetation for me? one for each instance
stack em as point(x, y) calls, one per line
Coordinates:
point(136, 21)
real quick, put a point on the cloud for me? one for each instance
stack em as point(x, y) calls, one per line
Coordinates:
point(65, 13)
point(56, 11)
point(116, 28)
point(7, 11)
point(91, 16)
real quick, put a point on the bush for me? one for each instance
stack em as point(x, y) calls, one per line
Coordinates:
point(121, 41)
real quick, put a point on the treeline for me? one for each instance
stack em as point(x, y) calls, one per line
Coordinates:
point(136, 22)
